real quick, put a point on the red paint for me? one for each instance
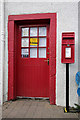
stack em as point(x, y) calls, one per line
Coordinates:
point(32, 73)
point(13, 22)
point(68, 38)
point(10, 59)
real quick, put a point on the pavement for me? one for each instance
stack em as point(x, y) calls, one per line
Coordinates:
point(31, 108)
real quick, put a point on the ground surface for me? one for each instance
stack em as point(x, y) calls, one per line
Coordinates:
point(26, 108)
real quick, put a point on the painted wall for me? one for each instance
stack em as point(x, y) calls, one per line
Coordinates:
point(79, 40)
point(1, 49)
point(67, 20)
point(0, 53)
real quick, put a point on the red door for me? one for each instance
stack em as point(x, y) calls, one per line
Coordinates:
point(32, 61)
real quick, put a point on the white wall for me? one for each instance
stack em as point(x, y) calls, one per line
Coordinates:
point(0, 62)
point(1, 53)
point(79, 40)
point(1, 49)
point(67, 20)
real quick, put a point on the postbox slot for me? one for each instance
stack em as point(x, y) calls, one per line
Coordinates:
point(68, 38)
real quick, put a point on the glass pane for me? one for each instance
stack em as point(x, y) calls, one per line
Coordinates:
point(25, 32)
point(25, 52)
point(33, 42)
point(25, 42)
point(33, 52)
point(42, 31)
point(33, 31)
point(42, 52)
point(42, 42)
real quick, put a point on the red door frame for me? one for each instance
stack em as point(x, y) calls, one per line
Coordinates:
point(12, 19)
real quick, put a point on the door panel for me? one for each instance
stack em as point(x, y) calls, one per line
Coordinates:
point(32, 61)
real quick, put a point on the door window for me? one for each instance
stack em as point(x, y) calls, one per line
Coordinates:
point(42, 31)
point(25, 52)
point(33, 31)
point(25, 42)
point(25, 32)
point(42, 52)
point(42, 42)
point(34, 42)
point(33, 52)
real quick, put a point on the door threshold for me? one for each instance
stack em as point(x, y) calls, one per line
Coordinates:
point(33, 98)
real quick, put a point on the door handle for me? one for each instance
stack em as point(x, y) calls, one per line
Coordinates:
point(47, 61)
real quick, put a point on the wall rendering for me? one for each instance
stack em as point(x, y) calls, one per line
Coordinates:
point(67, 21)
point(79, 40)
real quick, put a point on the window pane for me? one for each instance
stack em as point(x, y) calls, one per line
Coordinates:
point(25, 52)
point(33, 31)
point(33, 42)
point(25, 32)
point(42, 42)
point(33, 52)
point(42, 52)
point(42, 31)
point(25, 42)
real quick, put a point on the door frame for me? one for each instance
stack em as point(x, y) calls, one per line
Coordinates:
point(12, 19)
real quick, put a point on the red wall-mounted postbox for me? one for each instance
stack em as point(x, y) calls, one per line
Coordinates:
point(68, 47)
